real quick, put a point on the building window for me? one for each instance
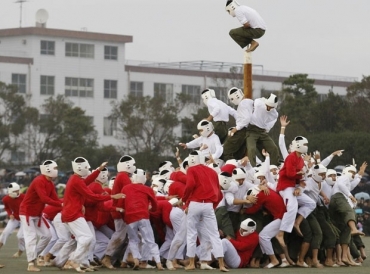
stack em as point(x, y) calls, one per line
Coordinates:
point(47, 47)
point(110, 53)
point(164, 90)
point(80, 50)
point(136, 89)
point(221, 93)
point(79, 87)
point(46, 85)
point(110, 126)
point(18, 157)
point(20, 81)
point(321, 97)
point(110, 89)
point(193, 92)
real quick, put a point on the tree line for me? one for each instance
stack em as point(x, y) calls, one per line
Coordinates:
point(146, 126)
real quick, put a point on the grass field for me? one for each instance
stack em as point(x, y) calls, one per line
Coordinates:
point(19, 265)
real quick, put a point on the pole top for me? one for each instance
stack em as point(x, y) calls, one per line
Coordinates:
point(247, 57)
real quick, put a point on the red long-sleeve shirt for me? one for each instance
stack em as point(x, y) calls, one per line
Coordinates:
point(202, 185)
point(178, 186)
point(41, 192)
point(74, 197)
point(122, 179)
point(11, 205)
point(93, 206)
point(273, 203)
point(162, 213)
point(104, 217)
point(50, 211)
point(288, 174)
point(138, 198)
point(245, 245)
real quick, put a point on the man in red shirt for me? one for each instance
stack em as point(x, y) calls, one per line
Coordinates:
point(125, 167)
point(138, 200)
point(288, 187)
point(238, 251)
point(41, 192)
point(72, 214)
point(11, 203)
point(202, 194)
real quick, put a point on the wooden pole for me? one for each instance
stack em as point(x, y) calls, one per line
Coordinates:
point(247, 85)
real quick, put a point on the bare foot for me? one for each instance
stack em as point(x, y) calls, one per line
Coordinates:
point(107, 263)
point(32, 268)
point(252, 46)
point(17, 254)
point(190, 267)
point(224, 269)
point(170, 265)
point(136, 265)
point(159, 266)
point(1, 265)
point(76, 266)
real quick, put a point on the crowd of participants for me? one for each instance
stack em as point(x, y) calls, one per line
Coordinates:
point(232, 203)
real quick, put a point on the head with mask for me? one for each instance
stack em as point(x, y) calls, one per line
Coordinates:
point(235, 95)
point(81, 167)
point(231, 5)
point(13, 190)
point(205, 128)
point(271, 102)
point(103, 176)
point(349, 171)
point(166, 165)
point(126, 164)
point(331, 177)
point(49, 168)
point(248, 226)
point(319, 173)
point(208, 94)
point(139, 176)
point(300, 144)
point(239, 175)
point(196, 158)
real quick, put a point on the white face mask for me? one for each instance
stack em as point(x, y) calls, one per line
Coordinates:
point(244, 233)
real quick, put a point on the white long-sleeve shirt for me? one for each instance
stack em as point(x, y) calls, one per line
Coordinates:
point(239, 194)
point(313, 189)
point(244, 113)
point(219, 110)
point(212, 142)
point(246, 14)
point(263, 118)
point(344, 185)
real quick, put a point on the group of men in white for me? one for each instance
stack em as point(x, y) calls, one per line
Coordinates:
point(229, 204)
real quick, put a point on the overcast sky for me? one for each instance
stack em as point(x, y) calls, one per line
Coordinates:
point(329, 37)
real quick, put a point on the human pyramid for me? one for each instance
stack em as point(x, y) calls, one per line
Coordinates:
point(230, 204)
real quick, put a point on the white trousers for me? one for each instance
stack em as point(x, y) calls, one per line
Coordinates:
point(8, 230)
point(93, 241)
point(179, 220)
point(82, 233)
point(165, 247)
point(36, 236)
point(101, 244)
point(149, 246)
point(117, 238)
point(196, 213)
point(231, 256)
point(53, 240)
point(267, 233)
point(305, 203)
point(61, 249)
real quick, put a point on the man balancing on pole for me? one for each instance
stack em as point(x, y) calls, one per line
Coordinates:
point(254, 26)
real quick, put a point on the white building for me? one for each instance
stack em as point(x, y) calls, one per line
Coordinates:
point(91, 70)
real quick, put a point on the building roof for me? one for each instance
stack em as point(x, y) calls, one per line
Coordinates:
point(15, 60)
point(83, 35)
point(223, 70)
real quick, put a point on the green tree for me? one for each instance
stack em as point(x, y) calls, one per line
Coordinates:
point(13, 118)
point(61, 133)
point(147, 125)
